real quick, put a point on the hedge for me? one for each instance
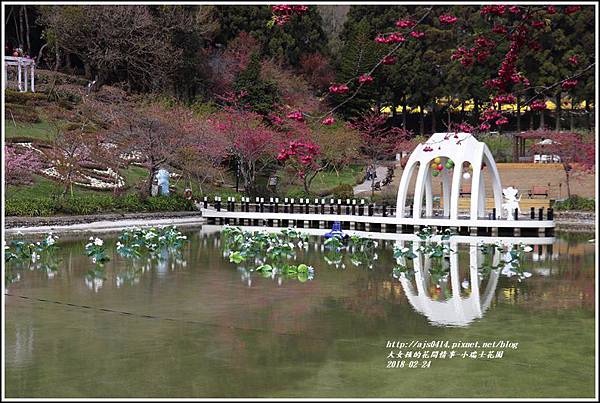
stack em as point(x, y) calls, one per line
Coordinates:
point(94, 204)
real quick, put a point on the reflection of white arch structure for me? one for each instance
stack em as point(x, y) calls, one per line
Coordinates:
point(460, 148)
point(457, 311)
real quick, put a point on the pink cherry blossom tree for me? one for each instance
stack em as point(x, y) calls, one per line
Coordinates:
point(577, 154)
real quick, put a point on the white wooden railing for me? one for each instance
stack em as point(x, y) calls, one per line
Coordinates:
point(25, 70)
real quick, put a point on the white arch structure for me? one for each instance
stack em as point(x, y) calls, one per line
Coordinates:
point(460, 148)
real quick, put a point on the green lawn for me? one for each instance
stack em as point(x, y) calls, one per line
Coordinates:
point(39, 131)
point(325, 180)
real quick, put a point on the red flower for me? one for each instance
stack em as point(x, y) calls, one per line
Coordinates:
point(389, 60)
point(417, 34)
point(572, 9)
point(499, 29)
point(484, 126)
point(538, 24)
point(365, 79)
point(328, 121)
point(396, 37)
point(551, 10)
point(538, 105)
point(574, 60)
point(448, 19)
point(405, 23)
point(339, 89)
point(381, 39)
point(514, 9)
point(502, 121)
point(296, 116)
point(568, 84)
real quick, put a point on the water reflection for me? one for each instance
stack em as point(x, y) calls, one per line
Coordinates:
point(449, 296)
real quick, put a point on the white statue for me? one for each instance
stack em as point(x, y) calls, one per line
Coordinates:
point(512, 202)
point(163, 181)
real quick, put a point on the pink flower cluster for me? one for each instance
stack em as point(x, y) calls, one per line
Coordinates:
point(448, 19)
point(365, 79)
point(282, 14)
point(328, 121)
point(405, 23)
point(568, 84)
point(493, 10)
point(395, 37)
point(338, 89)
point(572, 9)
point(417, 34)
point(538, 105)
point(303, 152)
point(296, 116)
point(574, 60)
point(504, 99)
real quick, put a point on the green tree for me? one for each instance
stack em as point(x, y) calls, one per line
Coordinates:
point(260, 95)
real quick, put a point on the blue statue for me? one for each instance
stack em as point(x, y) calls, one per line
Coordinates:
point(336, 230)
point(163, 181)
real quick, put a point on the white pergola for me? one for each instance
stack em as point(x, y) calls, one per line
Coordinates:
point(25, 70)
point(460, 148)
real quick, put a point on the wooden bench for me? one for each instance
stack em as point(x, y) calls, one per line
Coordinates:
point(538, 191)
point(465, 189)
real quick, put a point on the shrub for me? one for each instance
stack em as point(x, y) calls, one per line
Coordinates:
point(576, 203)
point(169, 203)
point(94, 204)
point(20, 113)
point(388, 197)
point(343, 191)
point(24, 98)
point(298, 193)
point(82, 205)
point(38, 207)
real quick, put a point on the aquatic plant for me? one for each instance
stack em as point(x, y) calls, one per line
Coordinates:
point(268, 250)
point(134, 242)
point(30, 251)
point(96, 250)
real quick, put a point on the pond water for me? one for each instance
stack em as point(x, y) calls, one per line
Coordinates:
point(194, 324)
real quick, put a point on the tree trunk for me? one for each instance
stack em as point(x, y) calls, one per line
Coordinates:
point(530, 120)
point(404, 112)
point(518, 114)
point(567, 171)
point(19, 38)
point(558, 100)
point(27, 30)
point(433, 119)
point(21, 25)
point(462, 111)
point(572, 115)
point(589, 114)
point(57, 56)
point(421, 121)
point(541, 119)
point(476, 102)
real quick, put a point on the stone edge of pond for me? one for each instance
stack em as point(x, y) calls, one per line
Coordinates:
point(104, 223)
point(13, 221)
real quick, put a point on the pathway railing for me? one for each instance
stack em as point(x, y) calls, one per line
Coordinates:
point(343, 207)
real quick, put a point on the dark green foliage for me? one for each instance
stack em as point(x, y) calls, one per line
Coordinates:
point(344, 191)
point(261, 95)
point(302, 35)
point(576, 203)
